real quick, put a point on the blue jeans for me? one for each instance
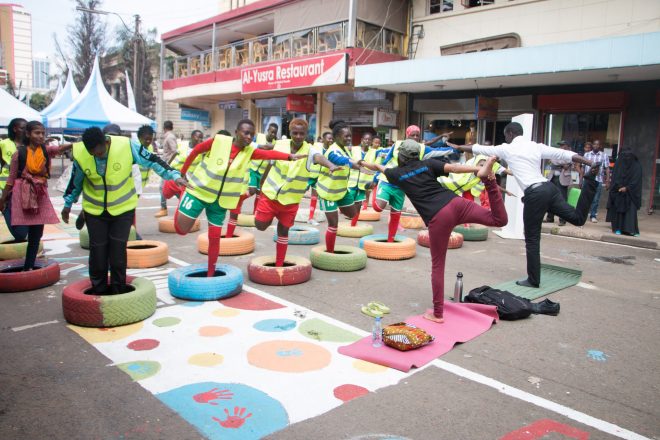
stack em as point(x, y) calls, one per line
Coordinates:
point(19, 233)
point(593, 212)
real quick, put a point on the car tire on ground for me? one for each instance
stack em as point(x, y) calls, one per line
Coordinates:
point(302, 235)
point(13, 250)
point(191, 282)
point(377, 247)
point(89, 310)
point(245, 220)
point(166, 225)
point(369, 215)
point(296, 270)
point(13, 279)
point(344, 259)
point(472, 232)
point(412, 222)
point(141, 254)
point(240, 244)
point(83, 237)
point(346, 230)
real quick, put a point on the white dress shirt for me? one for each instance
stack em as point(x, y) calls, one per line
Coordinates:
point(524, 158)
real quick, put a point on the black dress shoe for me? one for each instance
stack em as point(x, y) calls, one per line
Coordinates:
point(526, 283)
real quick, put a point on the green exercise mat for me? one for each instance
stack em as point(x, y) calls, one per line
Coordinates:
point(553, 278)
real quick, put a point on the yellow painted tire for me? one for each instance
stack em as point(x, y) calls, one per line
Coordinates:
point(240, 244)
point(378, 248)
point(15, 251)
point(141, 254)
point(346, 230)
point(245, 220)
point(369, 215)
point(412, 222)
point(166, 225)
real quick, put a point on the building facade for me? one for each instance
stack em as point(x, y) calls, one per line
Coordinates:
point(16, 45)
point(41, 74)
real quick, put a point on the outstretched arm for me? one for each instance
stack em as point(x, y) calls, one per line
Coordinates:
point(465, 148)
point(374, 166)
point(458, 168)
point(320, 159)
point(437, 138)
point(581, 160)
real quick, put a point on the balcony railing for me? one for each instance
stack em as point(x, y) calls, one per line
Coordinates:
point(280, 47)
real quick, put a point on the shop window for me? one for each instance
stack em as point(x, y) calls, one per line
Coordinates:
point(579, 128)
point(437, 6)
point(498, 42)
point(369, 36)
point(475, 3)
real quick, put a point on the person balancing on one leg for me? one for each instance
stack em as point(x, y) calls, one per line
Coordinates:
point(540, 196)
point(439, 207)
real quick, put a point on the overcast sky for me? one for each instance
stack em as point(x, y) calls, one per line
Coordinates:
point(53, 16)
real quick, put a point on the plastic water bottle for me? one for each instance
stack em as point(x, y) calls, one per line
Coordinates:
point(458, 288)
point(377, 333)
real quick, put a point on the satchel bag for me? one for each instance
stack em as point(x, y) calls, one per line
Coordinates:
point(405, 337)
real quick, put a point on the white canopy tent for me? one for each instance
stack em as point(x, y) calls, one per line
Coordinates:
point(95, 107)
point(11, 108)
point(63, 99)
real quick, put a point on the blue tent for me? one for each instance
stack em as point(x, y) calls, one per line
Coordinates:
point(95, 107)
point(62, 100)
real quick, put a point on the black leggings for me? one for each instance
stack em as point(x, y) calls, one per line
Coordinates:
point(20, 233)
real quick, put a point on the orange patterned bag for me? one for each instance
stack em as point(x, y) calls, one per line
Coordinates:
point(405, 337)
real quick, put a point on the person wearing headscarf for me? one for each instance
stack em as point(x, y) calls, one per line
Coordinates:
point(625, 194)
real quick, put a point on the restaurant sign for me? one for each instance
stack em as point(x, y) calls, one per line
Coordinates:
point(294, 74)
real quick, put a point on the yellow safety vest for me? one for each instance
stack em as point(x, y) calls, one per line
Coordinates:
point(144, 172)
point(358, 178)
point(287, 181)
point(182, 152)
point(394, 161)
point(7, 149)
point(115, 191)
point(462, 182)
point(333, 186)
point(259, 165)
point(315, 169)
point(215, 179)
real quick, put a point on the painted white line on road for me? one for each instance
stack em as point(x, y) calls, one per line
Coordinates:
point(565, 411)
point(71, 269)
point(586, 286)
point(38, 324)
point(177, 261)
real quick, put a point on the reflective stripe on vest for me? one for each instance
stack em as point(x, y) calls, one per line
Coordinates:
point(144, 172)
point(259, 165)
point(115, 191)
point(394, 161)
point(215, 179)
point(183, 150)
point(287, 181)
point(358, 177)
point(7, 149)
point(333, 186)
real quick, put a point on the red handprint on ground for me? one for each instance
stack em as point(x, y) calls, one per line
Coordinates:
point(213, 394)
point(235, 421)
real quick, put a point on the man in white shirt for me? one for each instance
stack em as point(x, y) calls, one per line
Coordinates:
point(524, 160)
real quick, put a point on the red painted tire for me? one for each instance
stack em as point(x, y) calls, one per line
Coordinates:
point(423, 238)
point(108, 310)
point(455, 239)
point(296, 270)
point(13, 279)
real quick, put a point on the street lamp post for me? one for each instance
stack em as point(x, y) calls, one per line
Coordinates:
point(137, 38)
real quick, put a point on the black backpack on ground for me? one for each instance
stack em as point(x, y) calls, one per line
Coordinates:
point(509, 306)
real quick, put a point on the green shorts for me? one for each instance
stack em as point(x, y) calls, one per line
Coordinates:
point(192, 207)
point(311, 182)
point(329, 206)
point(359, 195)
point(255, 179)
point(392, 195)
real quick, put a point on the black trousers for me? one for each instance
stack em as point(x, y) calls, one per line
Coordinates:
point(32, 233)
point(564, 192)
point(108, 235)
point(547, 198)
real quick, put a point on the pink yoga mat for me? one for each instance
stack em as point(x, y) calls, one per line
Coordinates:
point(462, 322)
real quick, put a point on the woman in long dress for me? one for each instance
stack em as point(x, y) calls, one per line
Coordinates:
point(625, 194)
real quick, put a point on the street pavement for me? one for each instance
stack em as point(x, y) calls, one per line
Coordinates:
point(590, 372)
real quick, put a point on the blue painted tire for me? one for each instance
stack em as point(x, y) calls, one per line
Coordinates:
point(302, 235)
point(397, 237)
point(191, 283)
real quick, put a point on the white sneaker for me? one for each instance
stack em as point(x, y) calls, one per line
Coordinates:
point(313, 222)
point(593, 220)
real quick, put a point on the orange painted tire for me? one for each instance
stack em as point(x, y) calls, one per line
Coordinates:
point(412, 222)
point(240, 244)
point(296, 270)
point(245, 220)
point(377, 247)
point(455, 239)
point(166, 225)
point(369, 215)
point(346, 230)
point(141, 254)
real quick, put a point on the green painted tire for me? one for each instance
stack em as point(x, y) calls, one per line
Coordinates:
point(473, 232)
point(245, 220)
point(346, 230)
point(345, 259)
point(108, 310)
point(15, 251)
point(83, 237)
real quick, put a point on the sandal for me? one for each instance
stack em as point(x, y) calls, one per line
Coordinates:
point(379, 306)
point(371, 311)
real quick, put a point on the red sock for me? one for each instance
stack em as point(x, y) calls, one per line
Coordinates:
point(214, 234)
point(374, 191)
point(395, 216)
point(231, 227)
point(330, 237)
point(231, 224)
point(365, 204)
point(312, 206)
point(280, 250)
point(354, 220)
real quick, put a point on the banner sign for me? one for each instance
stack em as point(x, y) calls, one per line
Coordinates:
point(300, 103)
point(293, 74)
point(385, 118)
point(486, 108)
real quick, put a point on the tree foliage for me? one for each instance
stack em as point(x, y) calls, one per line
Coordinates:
point(40, 101)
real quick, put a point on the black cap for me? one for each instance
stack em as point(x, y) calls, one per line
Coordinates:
point(562, 142)
point(112, 129)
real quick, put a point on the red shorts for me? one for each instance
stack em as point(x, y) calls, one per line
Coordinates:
point(268, 209)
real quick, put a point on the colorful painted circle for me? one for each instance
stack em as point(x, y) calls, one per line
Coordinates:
point(193, 304)
point(289, 356)
point(206, 359)
point(167, 321)
point(139, 370)
point(96, 335)
point(320, 330)
point(143, 344)
point(213, 331)
point(349, 392)
point(227, 410)
point(368, 367)
point(275, 325)
point(250, 301)
point(226, 312)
